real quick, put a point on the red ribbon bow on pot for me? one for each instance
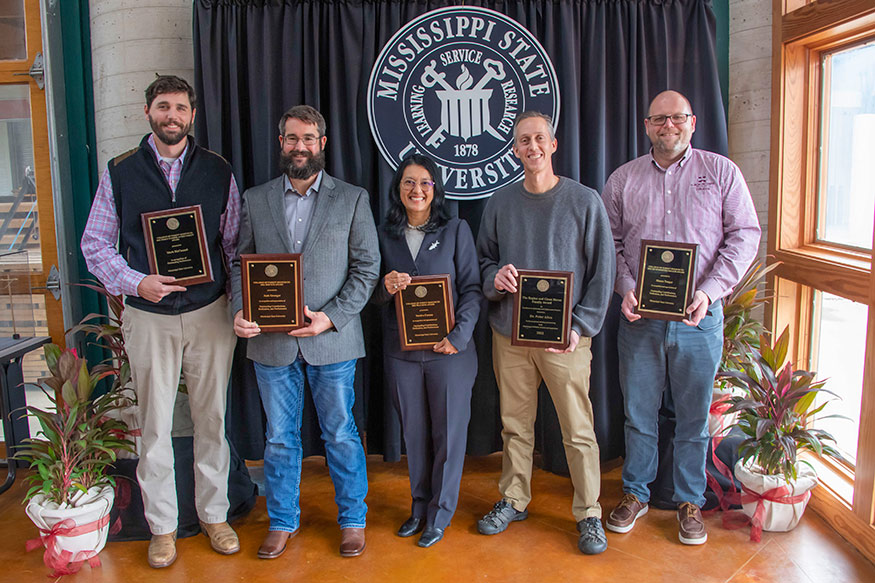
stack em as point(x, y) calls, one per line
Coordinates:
point(63, 562)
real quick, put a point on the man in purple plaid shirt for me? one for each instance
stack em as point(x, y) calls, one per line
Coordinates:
point(675, 193)
point(168, 328)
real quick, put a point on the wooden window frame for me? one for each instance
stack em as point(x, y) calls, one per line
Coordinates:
point(802, 31)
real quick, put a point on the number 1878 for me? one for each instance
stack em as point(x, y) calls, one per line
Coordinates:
point(463, 150)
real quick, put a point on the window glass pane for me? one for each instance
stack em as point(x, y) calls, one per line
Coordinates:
point(12, 40)
point(846, 200)
point(839, 333)
point(19, 224)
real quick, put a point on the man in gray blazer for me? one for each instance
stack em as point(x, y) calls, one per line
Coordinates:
point(331, 224)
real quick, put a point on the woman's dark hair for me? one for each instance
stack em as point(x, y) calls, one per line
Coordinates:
point(396, 218)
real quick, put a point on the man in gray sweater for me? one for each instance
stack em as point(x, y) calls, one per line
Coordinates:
point(546, 222)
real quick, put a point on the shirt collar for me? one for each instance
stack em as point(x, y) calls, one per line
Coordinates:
point(181, 158)
point(287, 185)
point(679, 163)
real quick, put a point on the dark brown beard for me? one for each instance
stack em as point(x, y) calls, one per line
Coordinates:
point(314, 163)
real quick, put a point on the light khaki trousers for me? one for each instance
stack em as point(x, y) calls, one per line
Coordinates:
point(201, 345)
point(519, 371)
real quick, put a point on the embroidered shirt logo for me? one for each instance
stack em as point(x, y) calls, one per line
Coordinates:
point(703, 183)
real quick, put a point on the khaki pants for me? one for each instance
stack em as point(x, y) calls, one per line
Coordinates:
point(519, 371)
point(159, 346)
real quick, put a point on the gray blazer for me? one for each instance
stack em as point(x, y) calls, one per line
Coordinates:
point(340, 262)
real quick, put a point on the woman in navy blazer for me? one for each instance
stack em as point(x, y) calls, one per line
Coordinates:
point(431, 388)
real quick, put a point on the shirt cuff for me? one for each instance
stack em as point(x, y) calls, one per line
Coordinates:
point(624, 285)
point(712, 288)
point(129, 282)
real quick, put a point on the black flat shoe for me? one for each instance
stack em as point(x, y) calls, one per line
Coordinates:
point(430, 536)
point(411, 526)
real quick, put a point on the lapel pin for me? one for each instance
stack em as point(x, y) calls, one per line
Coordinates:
point(434, 245)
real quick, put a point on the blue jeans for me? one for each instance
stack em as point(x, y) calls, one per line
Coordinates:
point(282, 393)
point(657, 356)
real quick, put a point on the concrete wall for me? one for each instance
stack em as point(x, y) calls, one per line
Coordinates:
point(131, 41)
point(750, 93)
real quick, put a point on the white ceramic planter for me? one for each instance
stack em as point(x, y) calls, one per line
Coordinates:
point(717, 420)
point(89, 512)
point(777, 516)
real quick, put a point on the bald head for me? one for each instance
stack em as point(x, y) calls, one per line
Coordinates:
point(670, 124)
point(668, 99)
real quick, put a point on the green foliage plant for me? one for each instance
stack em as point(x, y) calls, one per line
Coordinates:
point(741, 330)
point(78, 438)
point(776, 409)
point(107, 330)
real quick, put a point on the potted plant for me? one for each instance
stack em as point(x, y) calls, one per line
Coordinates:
point(106, 329)
point(72, 493)
point(741, 335)
point(775, 407)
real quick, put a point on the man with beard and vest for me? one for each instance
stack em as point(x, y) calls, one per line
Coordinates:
point(169, 328)
point(331, 225)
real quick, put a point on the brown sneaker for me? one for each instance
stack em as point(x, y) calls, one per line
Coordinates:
point(162, 550)
point(691, 526)
point(222, 537)
point(623, 517)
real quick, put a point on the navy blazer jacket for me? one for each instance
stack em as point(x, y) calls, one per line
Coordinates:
point(448, 250)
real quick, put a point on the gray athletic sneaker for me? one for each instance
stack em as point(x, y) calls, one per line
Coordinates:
point(497, 519)
point(592, 540)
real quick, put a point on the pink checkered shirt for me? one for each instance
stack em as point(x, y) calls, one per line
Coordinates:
point(99, 242)
point(702, 198)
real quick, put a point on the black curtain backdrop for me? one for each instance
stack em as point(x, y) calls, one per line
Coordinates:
point(255, 59)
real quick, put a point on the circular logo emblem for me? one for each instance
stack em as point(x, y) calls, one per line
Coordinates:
point(271, 270)
point(172, 223)
point(420, 291)
point(667, 256)
point(449, 85)
point(543, 285)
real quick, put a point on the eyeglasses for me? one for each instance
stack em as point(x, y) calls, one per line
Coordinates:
point(410, 184)
point(308, 140)
point(676, 118)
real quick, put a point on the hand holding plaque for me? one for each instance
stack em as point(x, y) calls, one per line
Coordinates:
point(272, 295)
point(425, 311)
point(176, 244)
point(542, 309)
point(665, 279)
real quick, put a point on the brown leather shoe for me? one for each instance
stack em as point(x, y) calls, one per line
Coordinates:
point(352, 542)
point(222, 537)
point(162, 550)
point(691, 526)
point(274, 544)
point(623, 517)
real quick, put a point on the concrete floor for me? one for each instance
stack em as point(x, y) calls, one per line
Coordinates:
point(542, 548)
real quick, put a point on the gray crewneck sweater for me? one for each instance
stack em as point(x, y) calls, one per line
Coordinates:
point(564, 229)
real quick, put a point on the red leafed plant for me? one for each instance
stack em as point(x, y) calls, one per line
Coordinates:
point(776, 409)
point(78, 439)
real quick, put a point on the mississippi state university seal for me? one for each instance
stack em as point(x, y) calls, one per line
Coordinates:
point(449, 85)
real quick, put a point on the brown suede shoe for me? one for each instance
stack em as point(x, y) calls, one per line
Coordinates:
point(222, 537)
point(623, 517)
point(691, 526)
point(274, 543)
point(352, 542)
point(162, 550)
